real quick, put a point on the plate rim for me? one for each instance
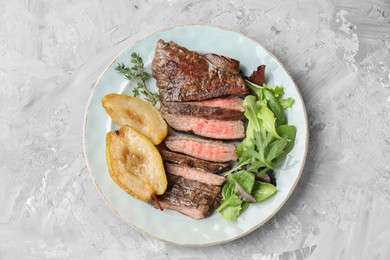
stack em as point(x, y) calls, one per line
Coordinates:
point(257, 225)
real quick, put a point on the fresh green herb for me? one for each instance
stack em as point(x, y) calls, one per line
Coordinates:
point(262, 190)
point(268, 140)
point(231, 203)
point(136, 72)
point(286, 102)
point(243, 194)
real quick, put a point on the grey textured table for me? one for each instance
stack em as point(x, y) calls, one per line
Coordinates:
point(52, 52)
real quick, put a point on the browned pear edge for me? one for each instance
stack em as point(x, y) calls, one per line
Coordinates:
point(147, 181)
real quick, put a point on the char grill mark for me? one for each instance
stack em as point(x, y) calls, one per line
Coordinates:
point(227, 108)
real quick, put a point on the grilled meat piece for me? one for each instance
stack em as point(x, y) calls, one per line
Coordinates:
point(193, 162)
point(195, 212)
point(217, 129)
point(215, 151)
point(224, 63)
point(184, 75)
point(226, 108)
point(192, 198)
point(195, 186)
point(194, 174)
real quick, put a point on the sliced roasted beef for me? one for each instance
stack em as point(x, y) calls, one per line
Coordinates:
point(195, 212)
point(226, 108)
point(194, 174)
point(192, 198)
point(193, 162)
point(215, 151)
point(217, 129)
point(184, 75)
point(223, 63)
point(198, 192)
point(195, 186)
point(230, 102)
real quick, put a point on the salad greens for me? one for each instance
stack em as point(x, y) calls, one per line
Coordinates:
point(268, 140)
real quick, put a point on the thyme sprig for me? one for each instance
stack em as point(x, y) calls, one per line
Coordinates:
point(137, 73)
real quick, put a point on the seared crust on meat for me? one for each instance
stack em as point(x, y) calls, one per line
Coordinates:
point(184, 75)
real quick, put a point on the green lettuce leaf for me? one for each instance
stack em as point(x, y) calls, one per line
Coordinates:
point(263, 190)
point(288, 132)
point(255, 88)
point(231, 212)
point(267, 119)
point(231, 203)
point(276, 90)
point(277, 148)
point(286, 102)
point(252, 107)
point(275, 106)
point(245, 179)
point(228, 188)
point(244, 206)
point(243, 194)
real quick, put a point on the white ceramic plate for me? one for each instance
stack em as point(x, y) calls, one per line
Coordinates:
point(169, 225)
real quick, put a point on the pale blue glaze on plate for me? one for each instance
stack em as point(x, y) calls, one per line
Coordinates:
point(168, 225)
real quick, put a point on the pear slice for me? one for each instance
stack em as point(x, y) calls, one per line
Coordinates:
point(135, 164)
point(137, 113)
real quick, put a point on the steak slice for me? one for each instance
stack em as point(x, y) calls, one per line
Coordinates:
point(194, 174)
point(215, 151)
point(193, 162)
point(191, 185)
point(194, 199)
point(184, 75)
point(217, 129)
point(223, 63)
point(231, 102)
point(195, 212)
point(226, 108)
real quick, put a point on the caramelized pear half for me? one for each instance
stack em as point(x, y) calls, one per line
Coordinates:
point(137, 113)
point(135, 164)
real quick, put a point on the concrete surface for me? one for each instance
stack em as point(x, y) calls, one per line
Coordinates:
point(51, 53)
